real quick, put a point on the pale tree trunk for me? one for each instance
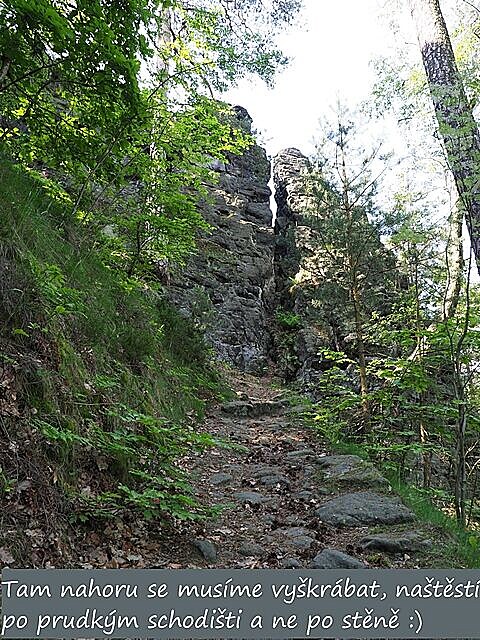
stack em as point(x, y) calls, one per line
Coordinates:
point(457, 125)
point(455, 263)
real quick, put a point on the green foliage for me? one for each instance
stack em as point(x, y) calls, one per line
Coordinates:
point(407, 390)
point(108, 105)
point(7, 484)
point(350, 270)
point(109, 108)
point(115, 379)
point(286, 342)
point(460, 548)
point(64, 300)
point(288, 319)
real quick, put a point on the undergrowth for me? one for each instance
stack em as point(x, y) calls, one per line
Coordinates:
point(459, 547)
point(102, 383)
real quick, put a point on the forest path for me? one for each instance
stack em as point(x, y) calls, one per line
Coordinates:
point(287, 502)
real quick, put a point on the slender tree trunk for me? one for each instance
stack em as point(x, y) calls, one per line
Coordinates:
point(362, 361)
point(455, 263)
point(457, 125)
point(426, 456)
point(460, 467)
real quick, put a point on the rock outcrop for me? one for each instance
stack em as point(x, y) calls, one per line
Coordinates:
point(313, 280)
point(249, 281)
point(228, 285)
point(296, 248)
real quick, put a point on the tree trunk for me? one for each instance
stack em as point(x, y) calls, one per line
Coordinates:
point(457, 126)
point(455, 263)
point(460, 467)
point(362, 361)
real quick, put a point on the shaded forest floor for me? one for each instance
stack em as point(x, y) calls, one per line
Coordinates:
point(268, 486)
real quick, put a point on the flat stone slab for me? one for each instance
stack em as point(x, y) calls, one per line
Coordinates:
point(351, 471)
point(304, 495)
point(274, 480)
point(220, 478)
point(251, 549)
point(239, 408)
point(409, 541)
point(294, 532)
point(265, 470)
point(253, 408)
point(291, 563)
point(250, 497)
point(300, 454)
point(302, 542)
point(364, 508)
point(333, 559)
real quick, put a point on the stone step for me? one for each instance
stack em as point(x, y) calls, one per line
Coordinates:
point(350, 471)
point(334, 559)
point(364, 508)
point(405, 542)
point(254, 408)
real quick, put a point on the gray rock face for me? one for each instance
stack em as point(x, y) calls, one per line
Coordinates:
point(409, 541)
point(333, 559)
point(351, 471)
point(364, 508)
point(294, 251)
point(207, 549)
point(227, 286)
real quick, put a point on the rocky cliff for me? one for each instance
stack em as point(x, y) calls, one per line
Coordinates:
point(228, 285)
point(296, 258)
point(261, 294)
point(241, 278)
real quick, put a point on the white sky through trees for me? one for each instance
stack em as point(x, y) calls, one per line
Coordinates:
point(331, 51)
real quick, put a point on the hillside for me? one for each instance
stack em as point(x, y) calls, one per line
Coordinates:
point(102, 380)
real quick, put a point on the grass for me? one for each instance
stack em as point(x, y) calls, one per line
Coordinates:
point(454, 546)
point(458, 547)
point(94, 366)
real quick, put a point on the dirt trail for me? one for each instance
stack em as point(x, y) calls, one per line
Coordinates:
point(288, 503)
point(285, 503)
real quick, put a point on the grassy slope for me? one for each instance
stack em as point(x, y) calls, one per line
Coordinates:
point(453, 546)
point(100, 382)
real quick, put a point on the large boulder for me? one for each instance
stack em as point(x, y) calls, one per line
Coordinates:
point(364, 508)
point(351, 471)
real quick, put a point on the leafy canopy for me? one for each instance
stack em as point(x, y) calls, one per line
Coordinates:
point(111, 97)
